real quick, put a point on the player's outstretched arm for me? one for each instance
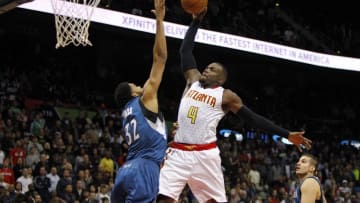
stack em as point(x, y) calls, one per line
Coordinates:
point(233, 103)
point(151, 86)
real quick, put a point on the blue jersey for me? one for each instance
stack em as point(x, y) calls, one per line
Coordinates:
point(297, 197)
point(137, 181)
point(145, 134)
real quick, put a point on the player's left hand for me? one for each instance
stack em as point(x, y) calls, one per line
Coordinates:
point(159, 10)
point(201, 15)
point(174, 128)
point(299, 140)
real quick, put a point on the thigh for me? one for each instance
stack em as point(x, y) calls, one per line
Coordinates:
point(136, 181)
point(121, 188)
point(175, 173)
point(207, 181)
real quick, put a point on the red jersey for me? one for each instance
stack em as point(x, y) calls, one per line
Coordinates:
point(16, 153)
point(8, 174)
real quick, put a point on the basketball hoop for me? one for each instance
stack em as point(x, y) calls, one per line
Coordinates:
point(72, 21)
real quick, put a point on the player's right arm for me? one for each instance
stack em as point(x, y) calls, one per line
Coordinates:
point(188, 62)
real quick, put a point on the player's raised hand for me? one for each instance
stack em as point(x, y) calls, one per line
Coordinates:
point(200, 16)
point(299, 140)
point(159, 10)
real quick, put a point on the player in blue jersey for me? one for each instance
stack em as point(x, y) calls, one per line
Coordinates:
point(144, 127)
point(309, 189)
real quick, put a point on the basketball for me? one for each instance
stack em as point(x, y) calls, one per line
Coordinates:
point(194, 6)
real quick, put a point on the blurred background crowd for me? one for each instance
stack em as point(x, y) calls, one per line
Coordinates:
point(60, 132)
point(61, 143)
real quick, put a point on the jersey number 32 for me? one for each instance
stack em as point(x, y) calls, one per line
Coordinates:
point(130, 132)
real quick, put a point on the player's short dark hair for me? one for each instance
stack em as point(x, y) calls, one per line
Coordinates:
point(313, 160)
point(122, 94)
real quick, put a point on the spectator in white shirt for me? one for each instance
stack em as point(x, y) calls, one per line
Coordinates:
point(25, 179)
point(54, 179)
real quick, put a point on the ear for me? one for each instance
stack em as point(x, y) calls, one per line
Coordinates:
point(312, 168)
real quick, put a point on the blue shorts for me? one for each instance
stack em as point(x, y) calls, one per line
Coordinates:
point(136, 181)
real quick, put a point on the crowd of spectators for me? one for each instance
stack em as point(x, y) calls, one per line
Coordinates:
point(75, 160)
point(66, 159)
point(62, 161)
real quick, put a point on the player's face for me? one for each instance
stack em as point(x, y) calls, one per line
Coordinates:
point(135, 90)
point(211, 75)
point(303, 166)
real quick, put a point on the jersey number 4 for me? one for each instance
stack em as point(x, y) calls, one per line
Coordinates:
point(130, 132)
point(192, 113)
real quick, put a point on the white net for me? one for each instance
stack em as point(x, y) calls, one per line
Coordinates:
point(72, 21)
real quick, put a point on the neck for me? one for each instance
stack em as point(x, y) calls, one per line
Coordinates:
point(302, 177)
point(205, 86)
